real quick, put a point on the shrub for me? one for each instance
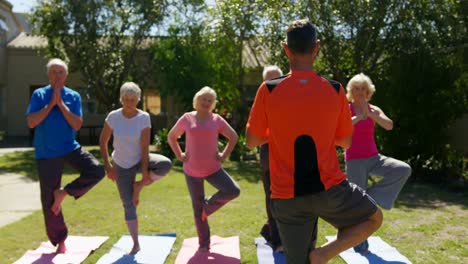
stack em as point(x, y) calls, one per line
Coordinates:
point(161, 144)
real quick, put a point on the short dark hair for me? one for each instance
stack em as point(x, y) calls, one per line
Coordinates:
point(301, 37)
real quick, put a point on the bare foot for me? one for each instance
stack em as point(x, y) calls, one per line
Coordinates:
point(204, 249)
point(59, 195)
point(279, 249)
point(61, 248)
point(154, 177)
point(134, 250)
point(137, 187)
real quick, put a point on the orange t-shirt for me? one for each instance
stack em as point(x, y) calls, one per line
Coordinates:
point(301, 114)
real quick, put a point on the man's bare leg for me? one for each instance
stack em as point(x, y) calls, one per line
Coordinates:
point(59, 196)
point(346, 238)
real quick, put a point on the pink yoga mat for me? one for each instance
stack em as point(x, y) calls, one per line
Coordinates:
point(78, 249)
point(223, 251)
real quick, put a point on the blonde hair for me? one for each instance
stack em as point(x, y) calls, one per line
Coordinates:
point(57, 62)
point(360, 79)
point(203, 91)
point(130, 89)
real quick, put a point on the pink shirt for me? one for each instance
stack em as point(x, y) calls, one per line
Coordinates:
point(201, 143)
point(363, 145)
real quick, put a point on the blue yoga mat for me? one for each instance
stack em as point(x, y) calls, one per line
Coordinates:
point(380, 253)
point(265, 254)
point(153, 249)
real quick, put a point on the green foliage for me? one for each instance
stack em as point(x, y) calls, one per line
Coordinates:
point(422, 93)
point(195, 54)
point(241, 152)
point(100, 39)
point(414, 52)
point(162, 145)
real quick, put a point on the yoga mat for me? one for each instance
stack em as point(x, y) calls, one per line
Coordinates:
point(265, 254)
point(153, 249)
point(78, 248)
point(380, 253)
point(222, 251)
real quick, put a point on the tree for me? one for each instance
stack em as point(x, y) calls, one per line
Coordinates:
point(414, 52)
point(205, 47)
point(100, 39)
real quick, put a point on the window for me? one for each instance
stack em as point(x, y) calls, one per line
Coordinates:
point(152, 101)
point(89, 107)
point(3, 25)
point(88, 103)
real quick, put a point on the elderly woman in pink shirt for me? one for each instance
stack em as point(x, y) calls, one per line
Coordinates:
point(362, 157)
point(202, 159)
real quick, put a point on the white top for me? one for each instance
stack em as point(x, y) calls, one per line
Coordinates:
point(127, 136)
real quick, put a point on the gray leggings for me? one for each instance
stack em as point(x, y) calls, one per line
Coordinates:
point(158, 164)
point(394, 173)
point(227, 190)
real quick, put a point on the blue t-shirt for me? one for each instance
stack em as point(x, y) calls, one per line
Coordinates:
point(54, 137)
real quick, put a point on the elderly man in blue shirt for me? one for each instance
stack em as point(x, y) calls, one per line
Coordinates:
point(55, 113)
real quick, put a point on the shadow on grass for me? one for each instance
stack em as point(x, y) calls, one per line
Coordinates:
point(425, 195)
point(24, 163)
point(415, 194)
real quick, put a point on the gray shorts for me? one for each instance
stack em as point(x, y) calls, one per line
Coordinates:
point(342, 205)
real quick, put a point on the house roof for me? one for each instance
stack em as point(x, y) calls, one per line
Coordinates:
point(27, 41)
point(6, 3)
point(255, 55)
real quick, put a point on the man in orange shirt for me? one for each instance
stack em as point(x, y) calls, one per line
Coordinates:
point(303, 116)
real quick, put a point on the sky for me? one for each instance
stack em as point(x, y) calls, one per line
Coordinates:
point(22, 6)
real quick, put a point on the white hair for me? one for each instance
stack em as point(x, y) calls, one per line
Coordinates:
point(57, 62)
point(269, 69)
point(130, 89)
point(203, 91)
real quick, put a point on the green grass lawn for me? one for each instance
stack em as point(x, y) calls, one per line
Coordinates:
point(428, 225)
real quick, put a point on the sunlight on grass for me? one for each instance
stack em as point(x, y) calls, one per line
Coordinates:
point(427, 225)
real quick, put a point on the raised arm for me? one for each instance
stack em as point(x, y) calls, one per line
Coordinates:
point(380, 118)
point(35, 118)
point(75, 121)
point(104, 149)
point(232, 137)
point(172, 137)
point(252, 141)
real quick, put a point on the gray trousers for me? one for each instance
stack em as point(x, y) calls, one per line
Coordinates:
point(158, 164)
point(394, 173)
point(227, 191)
point(50, 178)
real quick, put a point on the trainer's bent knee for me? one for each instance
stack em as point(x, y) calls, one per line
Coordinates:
point(377, 219)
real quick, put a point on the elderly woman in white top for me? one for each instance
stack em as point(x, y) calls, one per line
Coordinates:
point(131, 130)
